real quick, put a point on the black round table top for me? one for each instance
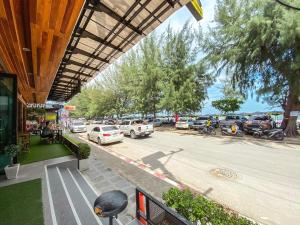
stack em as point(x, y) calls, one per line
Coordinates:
point(110, 203)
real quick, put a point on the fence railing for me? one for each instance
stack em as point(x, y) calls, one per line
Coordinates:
point(150, 211)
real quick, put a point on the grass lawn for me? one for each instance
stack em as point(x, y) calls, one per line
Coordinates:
point(40, 151)
point(21, 204)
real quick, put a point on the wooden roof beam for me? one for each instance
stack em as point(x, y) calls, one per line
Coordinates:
point(76, 72)
point(100, 7)
point(88, 54)
point(72, 62)
point(87, 34)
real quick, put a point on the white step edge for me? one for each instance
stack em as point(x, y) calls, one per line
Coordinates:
point(96, 193)
point(69, 198)
point(85, 198)
point(53, 216)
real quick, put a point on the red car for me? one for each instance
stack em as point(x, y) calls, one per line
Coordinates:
point(262, 121)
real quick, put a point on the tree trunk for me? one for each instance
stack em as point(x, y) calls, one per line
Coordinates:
point(290, 122)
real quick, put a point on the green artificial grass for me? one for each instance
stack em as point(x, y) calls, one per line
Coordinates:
point(21, 204)
point(42, 151)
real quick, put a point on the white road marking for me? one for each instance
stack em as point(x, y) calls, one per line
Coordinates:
point(69, 198)
point(85, 198)
point(53, 216)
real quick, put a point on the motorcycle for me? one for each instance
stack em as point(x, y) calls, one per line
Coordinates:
point(225, 131)
point(273, 134)
point(208, 130)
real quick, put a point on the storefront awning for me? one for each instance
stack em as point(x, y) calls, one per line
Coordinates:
point(104, 31)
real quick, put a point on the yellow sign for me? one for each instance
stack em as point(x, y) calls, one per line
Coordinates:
point(50, 117)
point(195, 8)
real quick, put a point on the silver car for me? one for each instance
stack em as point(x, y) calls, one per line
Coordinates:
point(77, 127)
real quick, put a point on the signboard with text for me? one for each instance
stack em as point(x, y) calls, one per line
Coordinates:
point(70, 107)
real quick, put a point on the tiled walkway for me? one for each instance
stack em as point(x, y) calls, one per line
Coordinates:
point(104, 179)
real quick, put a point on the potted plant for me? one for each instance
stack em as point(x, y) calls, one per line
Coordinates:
point(83, 156)
point(12, 169)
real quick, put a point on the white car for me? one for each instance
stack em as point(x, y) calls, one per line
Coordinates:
point(135, 128)
point(105, 134)
point(77, 126)
point(183, 124)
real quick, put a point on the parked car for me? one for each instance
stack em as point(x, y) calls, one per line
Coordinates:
point(184, 124)
point(109, 122)
point(105, 134)
point(136, 128)
point(201, 121)
point(264, 122)
point(157, 122)
point(231, 119)
point(77, 127)
point(84, 120)
point(97, 121)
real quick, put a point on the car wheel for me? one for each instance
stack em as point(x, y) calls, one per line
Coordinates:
point(256, 135)
point(279, 137)
point(240, 134)
point(132, 134)
point(99, 141)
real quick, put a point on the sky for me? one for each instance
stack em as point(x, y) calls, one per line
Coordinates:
point(176, 21)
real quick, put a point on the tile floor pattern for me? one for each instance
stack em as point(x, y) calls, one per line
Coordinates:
point(104, 179)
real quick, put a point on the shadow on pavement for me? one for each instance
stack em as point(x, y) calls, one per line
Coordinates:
point(154, 163)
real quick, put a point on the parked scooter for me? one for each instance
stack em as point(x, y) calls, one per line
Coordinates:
point(273, 134)
point(228, 132)
point(207, 130)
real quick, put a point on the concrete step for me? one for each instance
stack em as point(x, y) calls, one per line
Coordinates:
point(71, 198)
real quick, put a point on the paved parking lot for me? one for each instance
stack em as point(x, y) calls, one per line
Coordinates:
point(259, 179)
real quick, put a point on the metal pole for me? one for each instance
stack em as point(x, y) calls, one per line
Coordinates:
point(110, 220)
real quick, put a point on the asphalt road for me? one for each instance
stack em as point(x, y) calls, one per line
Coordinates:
point(259, 179)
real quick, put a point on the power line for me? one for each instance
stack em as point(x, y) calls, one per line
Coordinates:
point(287, 5)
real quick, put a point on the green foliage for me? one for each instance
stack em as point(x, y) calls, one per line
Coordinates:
point(11, 150)
point(84, 150)
point(227, 105)
point(161, 73)
point(257, 42)
point(198, 208)
point(184, 82)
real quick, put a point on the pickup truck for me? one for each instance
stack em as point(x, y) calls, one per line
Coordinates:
point(231, 119)
point(135, 128)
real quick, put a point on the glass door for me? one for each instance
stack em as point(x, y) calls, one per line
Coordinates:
point(8, 109)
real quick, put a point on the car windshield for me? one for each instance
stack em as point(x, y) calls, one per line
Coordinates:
point(139, 122)
point(182, 120)
point(202, 118)
point(109, 128)
point(259, 118)
point(78, 124)
point(231, 117)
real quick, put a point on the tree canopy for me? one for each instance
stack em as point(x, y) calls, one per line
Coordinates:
point(258, 43)
point(160, 74)
point(227, 105)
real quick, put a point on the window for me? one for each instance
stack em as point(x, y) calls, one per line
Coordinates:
point(125, 123)
point(96, 129)
point(109, 128)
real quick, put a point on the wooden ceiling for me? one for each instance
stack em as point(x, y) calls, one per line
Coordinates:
point(53, 55)
point(33, 37)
